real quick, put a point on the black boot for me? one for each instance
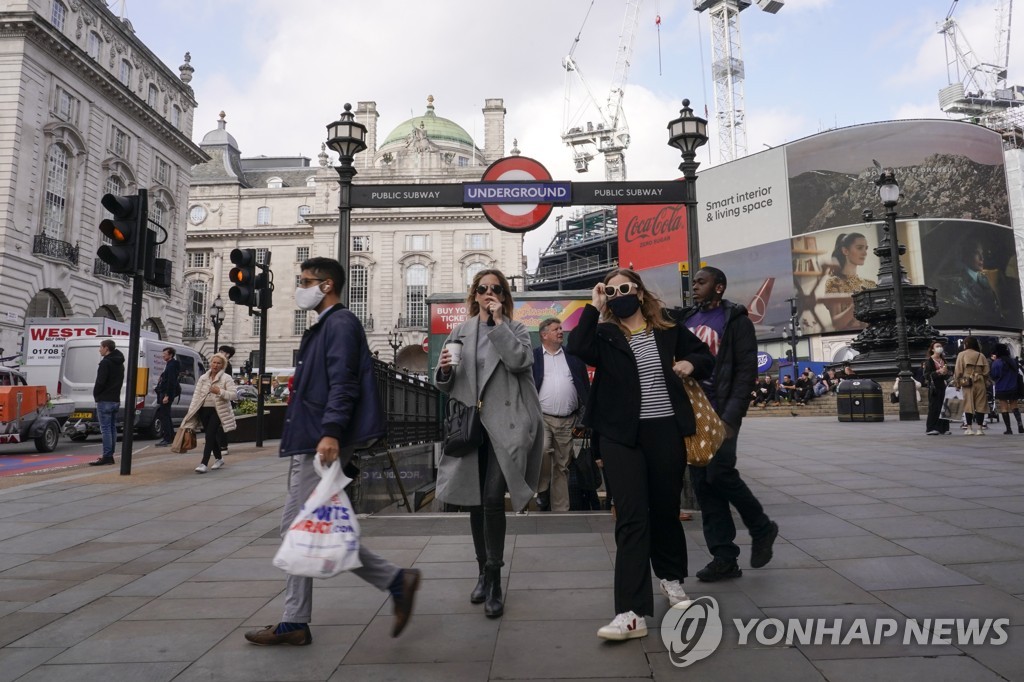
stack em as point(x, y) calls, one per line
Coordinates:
point(479, 593)
point(1020, 424)
point(1006, 420)
point(493, 606)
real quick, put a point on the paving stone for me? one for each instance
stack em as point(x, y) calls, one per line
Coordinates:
point(57, 570)
point(867, 511)
point(151, 641)
point(161, 580)
point(48, 540)
point(1014, 503)
point(967, 549)
point(27, 589)
point(14, 626)
point(971, 601)
point(1006, 659)
point(941, 669)
point(207, 607)
point(241, 569)
point(560, 540)
point(936, 503)
point(106, 552)
point(150, 562)
point(558, 605)
point(80, 594)
point(107, 521)
point(820, 525)
point(104, 672)
point(979, 518)
point(528, 559)
point(157, 530)
point(1003, 575)
point(12, 529)
point(223, 590)
point(71, 629)
point(895, 527)
point(16, 662)
point(801, 587)
point(557, 580)
point(427, 638)
point(416, 672)
point(740, 664)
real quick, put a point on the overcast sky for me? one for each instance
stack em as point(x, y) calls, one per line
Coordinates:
point(282, 71)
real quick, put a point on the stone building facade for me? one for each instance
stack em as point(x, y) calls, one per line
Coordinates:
point(289, 208)
point(85, 109)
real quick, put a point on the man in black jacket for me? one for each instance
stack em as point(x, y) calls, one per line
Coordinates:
point(563, 387)
point(167, 390)
point(107, 393)
point(727, 330)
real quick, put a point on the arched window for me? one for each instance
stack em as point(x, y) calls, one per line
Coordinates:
point(195, 314)
point(359, 292)
point(105, 311)
point(56, 195)
point(45, 304)
point(311, 181)
point(263, 215)
point(304, 211)
point(150, 325)
point(416, 295)
point(472, 269)
point(275, 183)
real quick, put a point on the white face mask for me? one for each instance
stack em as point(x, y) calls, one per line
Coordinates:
point(939, 351)
point(309, 298)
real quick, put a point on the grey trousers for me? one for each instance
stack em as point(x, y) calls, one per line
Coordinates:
point(298, 594)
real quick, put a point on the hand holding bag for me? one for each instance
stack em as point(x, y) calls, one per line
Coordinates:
point(463, 430)
point(710, 434)
point(184, 440)
point(323, 540)
point(588, 474)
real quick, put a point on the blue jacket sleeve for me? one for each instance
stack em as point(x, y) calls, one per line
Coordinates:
point(343, 362)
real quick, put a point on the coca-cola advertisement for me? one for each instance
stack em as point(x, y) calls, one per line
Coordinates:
point(652, 235)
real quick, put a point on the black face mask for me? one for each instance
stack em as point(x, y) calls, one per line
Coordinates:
point(624, 306)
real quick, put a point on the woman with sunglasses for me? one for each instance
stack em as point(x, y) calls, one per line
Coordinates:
point(639, 409)
point(494, 371)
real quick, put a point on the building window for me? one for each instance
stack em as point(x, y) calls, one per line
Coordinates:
point(156, 214)
point(303, 212)
point(57, 14)
point(55, 196)
point(463, 161)
point(361, 242)
point(197, 259)
point(153, 97)
point(416, 296)
point(300, 323)
point(195, 316)
point(417, 242)
point(472, 269)
point(478, 241)
point(176, 116)
point(261, 256)
point(125, 74)
point(92, 44)
point(119, 142)
point(311, 181)
point(115, 186)
point(65, 106)
point(301, 254)
point(163, 172)
point(45, 304)
point(263, 215)
point(256, 325)
point(275, 183)
point(358, 292)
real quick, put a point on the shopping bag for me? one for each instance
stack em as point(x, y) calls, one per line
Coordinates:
point(184, 440)
point(323, 540)
point(952, 404)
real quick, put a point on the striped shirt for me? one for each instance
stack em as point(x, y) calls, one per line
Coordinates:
point(654, 400)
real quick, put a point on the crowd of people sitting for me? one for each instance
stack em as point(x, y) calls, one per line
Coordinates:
point(808, 386)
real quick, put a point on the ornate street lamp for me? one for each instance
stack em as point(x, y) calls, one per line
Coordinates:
point(792, 332)
point(889, 193)
point(347, 137)
point(216, 319)
point(687, 133)
point(396, 341)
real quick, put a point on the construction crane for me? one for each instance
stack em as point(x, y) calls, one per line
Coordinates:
point(609, 136)
point(727, 70)
point(978, 90)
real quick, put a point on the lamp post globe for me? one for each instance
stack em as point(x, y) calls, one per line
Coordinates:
point(347, 137)
point(687, 133)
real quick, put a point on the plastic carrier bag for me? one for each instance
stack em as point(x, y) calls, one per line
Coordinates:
point(323, 540)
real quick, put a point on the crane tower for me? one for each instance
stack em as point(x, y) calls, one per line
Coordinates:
point(727, 70)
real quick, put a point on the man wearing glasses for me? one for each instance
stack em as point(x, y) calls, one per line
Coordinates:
point(339, 411)
point(563, 386)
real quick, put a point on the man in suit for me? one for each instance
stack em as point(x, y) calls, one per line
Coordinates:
point(167, 391)
point(563, 386)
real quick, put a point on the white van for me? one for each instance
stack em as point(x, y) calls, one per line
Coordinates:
point(78, 376)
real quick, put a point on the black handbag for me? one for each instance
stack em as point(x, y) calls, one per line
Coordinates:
point(588, 474)
point(463, 431)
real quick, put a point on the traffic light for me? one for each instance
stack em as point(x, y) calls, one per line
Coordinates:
point(243, 277)
point(265, 283)
point(126, 231)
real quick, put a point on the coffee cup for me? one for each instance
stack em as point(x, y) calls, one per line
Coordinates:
point(455, 349)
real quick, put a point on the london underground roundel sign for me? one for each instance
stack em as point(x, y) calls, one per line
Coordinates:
point(516, 217)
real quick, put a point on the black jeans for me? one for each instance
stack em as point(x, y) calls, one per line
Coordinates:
point(487, 522)
point(163, 413)
point(935, 400)
point(212, 430)
point(648, 481)
point(717, 486)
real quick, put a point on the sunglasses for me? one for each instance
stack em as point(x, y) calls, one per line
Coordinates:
point(619, 289)
point(495, 289)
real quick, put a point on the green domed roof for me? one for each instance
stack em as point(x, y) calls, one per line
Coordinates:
point(436, 128)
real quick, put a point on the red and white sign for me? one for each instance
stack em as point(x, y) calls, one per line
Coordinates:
point(444, 317)
point(651, 235)
point(516, 217)
point(44, 341)
point(426, 344)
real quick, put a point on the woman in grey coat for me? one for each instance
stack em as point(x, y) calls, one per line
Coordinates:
point(494, 371)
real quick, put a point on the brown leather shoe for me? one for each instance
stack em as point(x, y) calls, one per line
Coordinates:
point(267, 637)
point(403, 604)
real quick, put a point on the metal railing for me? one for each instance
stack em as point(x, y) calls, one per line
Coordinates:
point(195, 328)
point(49, 247)
point(151, 289)
point(102, 269)
point(366, 321)
point(412, 321)
point(411, 407)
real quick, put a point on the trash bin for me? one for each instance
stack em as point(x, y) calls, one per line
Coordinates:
point(859, 400)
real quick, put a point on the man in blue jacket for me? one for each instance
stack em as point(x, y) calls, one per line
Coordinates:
point(730, 335)
point(334, 410)
point(563, 386)
point(168, 389)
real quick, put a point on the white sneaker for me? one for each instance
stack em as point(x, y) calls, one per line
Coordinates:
point(980, 431)
point(224, 452)
point(933, 432)
point(626, 625)
point(673, 589)
point(217, 464)
point(201, 469)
